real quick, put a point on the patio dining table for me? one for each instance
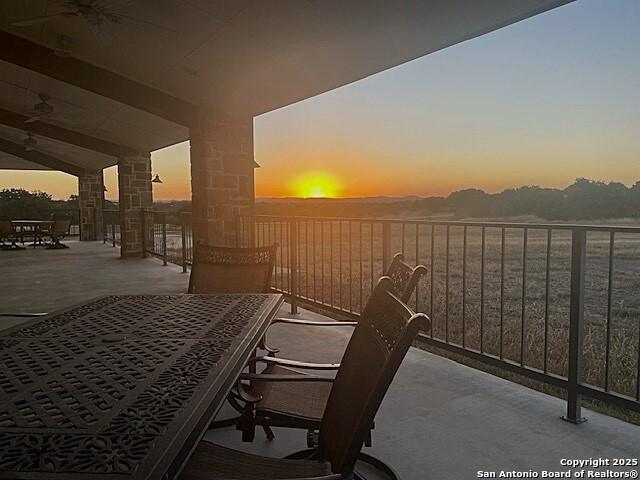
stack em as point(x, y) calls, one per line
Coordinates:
point(122, 387)
point(31, 227)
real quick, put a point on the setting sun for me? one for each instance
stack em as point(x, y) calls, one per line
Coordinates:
point(315, 185)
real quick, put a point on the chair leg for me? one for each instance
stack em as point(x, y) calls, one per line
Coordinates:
point(367, 440)
point(247, 424)
point(268, 432)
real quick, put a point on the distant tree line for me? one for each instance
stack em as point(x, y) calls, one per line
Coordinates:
point(17, 203)
point(583, 200)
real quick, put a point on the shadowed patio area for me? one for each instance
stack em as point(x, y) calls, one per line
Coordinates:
point(439, 419)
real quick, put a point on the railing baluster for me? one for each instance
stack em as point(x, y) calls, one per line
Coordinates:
point(183, 238)
point(322, 297)
point(340, 264)
point(306, 258)
point(523, 320)
point(482, 266)
point(446, 287)
point(464, 282)
point(350, 271)
point(360, 255)
point(547, 282)
point(609, 297)
point(293, 264)
point(502, 249)
point(417, 263)
point(164, 239)
point(331, 262)
point(386, 245)
point(371, 250)
point(313, 252)
point(432, 263)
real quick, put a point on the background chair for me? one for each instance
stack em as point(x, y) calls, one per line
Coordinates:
point(374, 353)
point(232, 270)
point(59, 230)
point(8, 236)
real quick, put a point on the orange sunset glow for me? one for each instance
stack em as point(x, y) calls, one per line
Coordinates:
point(315, 185)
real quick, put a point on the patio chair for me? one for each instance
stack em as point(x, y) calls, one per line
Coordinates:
point(375, 351)
point(8, 236)
point(59, 230)
point(404, 279)
point(232, 269)
point(276, 407)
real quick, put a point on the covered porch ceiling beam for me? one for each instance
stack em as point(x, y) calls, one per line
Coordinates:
point(16, 120)
point(40, 158)
point(30, 55)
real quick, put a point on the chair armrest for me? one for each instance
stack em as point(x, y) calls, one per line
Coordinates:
point(266, 377)
point(22, 314)
point(293, 363)
point(294, 321)
point(313, 323)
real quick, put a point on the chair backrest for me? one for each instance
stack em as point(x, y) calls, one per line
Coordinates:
point(232, 270)
point(61, 226)
point(386, 329)
point(404, 277)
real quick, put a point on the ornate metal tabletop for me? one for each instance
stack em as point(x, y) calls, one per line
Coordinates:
point(123, 386)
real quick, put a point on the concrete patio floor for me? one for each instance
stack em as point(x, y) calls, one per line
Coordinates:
point(439, 420)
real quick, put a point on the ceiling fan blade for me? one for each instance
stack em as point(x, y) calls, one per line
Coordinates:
point(143, 22)
point(32, 119)
point(27, 22)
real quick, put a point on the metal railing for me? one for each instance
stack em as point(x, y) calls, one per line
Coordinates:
point(111, 227)
point(553, 302)
point(167, 237)
point(556, 303)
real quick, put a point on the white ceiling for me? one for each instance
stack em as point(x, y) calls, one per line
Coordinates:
point(240, 56)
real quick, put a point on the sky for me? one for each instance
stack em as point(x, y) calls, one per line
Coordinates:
point(541, 102)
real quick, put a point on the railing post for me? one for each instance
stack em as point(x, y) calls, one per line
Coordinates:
point(386, 245)
point(113, 230)
point(293, 264)
point(143, 232)
point(164, 238)
point(183, 235)
point(576, 331)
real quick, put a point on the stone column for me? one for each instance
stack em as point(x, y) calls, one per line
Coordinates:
point(91, 202)
point(134, 192)
point(221, 176)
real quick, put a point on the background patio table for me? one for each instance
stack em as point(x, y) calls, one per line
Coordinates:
point(31, 227)
point(122, 386)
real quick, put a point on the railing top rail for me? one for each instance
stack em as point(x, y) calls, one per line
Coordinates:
point(540, 226)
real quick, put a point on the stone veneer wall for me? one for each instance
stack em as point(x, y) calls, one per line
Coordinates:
point(221, 176)
point(91, 201)
point(134, 189)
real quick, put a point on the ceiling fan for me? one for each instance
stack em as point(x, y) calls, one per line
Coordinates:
point(43, 109)
point(97, 14)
